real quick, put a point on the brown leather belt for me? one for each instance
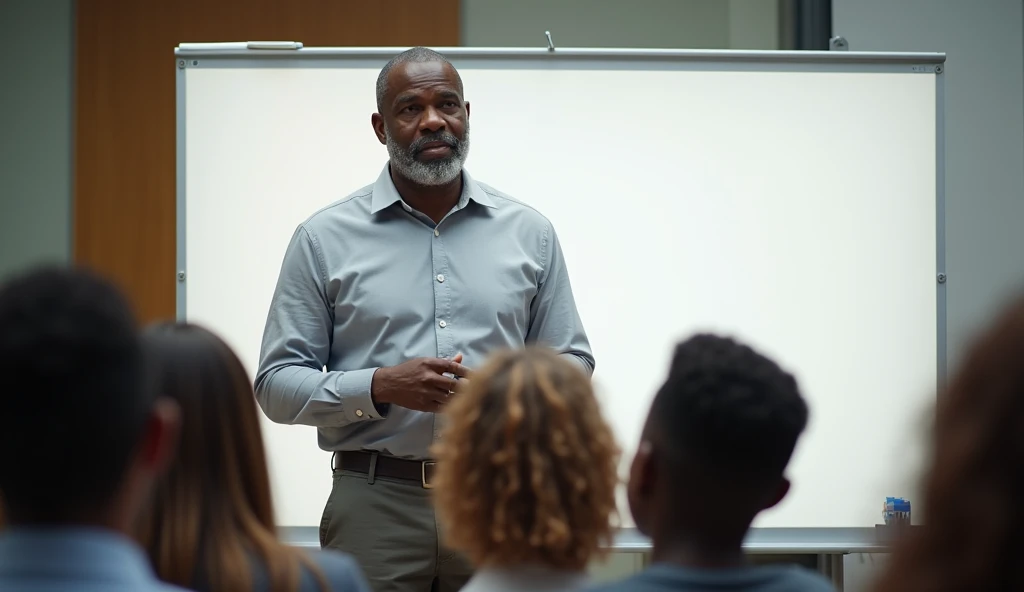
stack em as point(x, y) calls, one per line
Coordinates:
point(365, 463)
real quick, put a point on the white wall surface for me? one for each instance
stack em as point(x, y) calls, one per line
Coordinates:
point(693, 24)
point(36, 41)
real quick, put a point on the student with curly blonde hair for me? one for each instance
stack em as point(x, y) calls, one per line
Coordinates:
point(526, 474)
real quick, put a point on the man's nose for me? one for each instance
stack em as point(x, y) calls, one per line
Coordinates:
point(432, 120)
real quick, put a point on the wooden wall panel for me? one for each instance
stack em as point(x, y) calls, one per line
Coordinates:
point(124, 201)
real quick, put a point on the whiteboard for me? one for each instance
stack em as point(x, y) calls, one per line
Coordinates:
point(790, 199)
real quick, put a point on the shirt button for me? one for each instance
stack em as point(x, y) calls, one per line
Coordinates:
point(440, 277)
point(437, 232)
point(359, 412)
point(442, 324)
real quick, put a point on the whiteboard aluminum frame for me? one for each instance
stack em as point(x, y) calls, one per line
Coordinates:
point(234, 55)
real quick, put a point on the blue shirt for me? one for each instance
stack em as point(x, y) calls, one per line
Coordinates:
point(766, 578)
point(368, 282)
point(49, 559)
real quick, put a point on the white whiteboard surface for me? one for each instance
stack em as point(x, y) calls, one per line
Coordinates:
point(791, 205)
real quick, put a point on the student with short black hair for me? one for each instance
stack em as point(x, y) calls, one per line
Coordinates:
point(82, 436)
point(713, 454)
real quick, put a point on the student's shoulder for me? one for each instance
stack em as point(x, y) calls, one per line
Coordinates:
point(164, 587)
point(340, 570)
point(801, 579)
point(634, 583)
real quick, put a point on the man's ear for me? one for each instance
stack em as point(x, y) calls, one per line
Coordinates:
point(160, 440)
point(467, 109)
point(780, 493)
point(377, 121)
point(641, 485)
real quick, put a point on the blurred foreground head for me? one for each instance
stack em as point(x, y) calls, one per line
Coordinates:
point(526, 469)
point(713, 454)
point(973, 502)
point(212, 513)
point(82, 436)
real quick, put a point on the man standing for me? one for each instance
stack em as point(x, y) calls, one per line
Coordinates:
point(398, 289)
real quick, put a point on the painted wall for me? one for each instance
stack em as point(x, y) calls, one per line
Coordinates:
point(984, 136)
point(36, 100)
point(695, 24)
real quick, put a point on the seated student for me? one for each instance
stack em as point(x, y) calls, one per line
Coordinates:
point(973, 504)
point(82, 438)
point(526, 474)
point(712, 455)
point(211, 524)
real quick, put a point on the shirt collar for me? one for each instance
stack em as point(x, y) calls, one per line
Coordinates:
point(385, 194)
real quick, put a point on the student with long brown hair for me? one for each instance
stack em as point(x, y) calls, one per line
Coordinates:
point(526, 474)
point(211, 524)
point(973, 495)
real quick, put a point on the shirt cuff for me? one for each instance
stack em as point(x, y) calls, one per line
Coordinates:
point(354, 392)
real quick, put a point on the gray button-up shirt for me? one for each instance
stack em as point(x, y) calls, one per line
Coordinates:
point(369, 282)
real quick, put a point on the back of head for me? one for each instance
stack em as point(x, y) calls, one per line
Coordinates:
point(526, 465)
point(213, 506)
point(724, 425)
point(76, 404)
point(973, 490)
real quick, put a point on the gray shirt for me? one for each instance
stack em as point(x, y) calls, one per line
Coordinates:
point(368, 282)
point(764, 578)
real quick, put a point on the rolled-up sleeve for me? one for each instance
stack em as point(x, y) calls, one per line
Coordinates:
point(554, 319)
point(291, 385)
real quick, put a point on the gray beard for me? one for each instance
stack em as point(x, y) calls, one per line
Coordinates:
point(440, 171)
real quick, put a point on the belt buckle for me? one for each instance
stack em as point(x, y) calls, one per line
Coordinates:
point(423, 473)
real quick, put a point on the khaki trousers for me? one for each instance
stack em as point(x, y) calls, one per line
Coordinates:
point(389, 526)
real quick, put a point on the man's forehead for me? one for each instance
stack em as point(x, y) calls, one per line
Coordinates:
point(411, 75)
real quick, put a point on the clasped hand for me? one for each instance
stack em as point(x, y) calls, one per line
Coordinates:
point(419, 384)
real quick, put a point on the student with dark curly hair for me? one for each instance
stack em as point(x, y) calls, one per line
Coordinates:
point(713, 455)
point(526, 474)
point(973, 502)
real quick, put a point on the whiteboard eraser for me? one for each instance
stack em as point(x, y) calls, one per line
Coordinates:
point(273, 45)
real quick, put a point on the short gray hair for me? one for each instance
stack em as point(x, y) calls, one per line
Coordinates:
point(415, 54)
